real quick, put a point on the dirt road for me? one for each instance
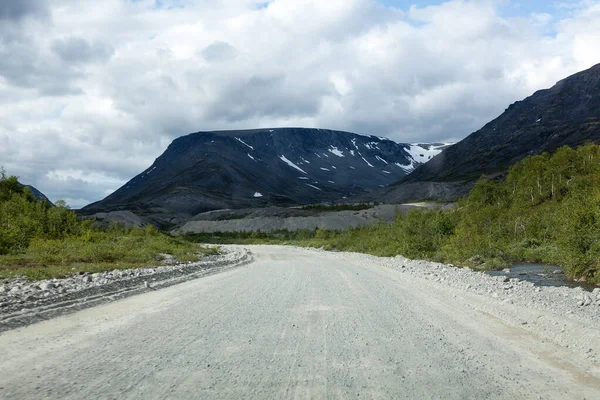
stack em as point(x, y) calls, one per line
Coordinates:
point(293, 324)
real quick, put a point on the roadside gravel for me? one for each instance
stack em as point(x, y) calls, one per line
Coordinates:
point(569, 317)
point(23, 302)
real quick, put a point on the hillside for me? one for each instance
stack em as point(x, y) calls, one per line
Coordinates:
point(264, 167)
point(566, 114)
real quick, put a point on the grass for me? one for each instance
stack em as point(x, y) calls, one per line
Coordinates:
point(257, 237)
point(97, 252)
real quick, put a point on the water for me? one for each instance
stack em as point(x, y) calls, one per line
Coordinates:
point(541, 275)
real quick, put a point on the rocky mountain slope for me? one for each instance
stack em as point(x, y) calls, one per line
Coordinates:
point(37, 194)
point(566, 114)
point(255, 168)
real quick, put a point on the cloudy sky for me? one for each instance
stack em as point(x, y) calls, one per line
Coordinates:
point(91, 92)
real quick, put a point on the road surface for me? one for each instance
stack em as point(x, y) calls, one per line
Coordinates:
point(293, 324)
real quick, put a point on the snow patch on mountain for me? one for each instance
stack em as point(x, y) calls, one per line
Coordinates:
point(312, 186)
point(381, 159)
point(291, 164)
point(148, 173)
point(361, 156)
point(258, 194)
point(408, 167)
point(423, 153)
point(334, 150)
point(365, 160)
point(244, 143)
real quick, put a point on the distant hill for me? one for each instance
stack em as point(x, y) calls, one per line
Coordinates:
point(37, 194)
point(566, 114)
point(263, 167)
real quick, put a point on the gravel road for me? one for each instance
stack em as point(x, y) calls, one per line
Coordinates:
point(306, 324)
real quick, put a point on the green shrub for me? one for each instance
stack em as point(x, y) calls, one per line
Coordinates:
point(39, 240)
point(547, 209)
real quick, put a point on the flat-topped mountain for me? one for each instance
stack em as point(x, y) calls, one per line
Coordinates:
point(262, 167)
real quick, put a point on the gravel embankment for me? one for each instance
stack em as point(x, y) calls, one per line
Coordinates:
point(23, 302)
point(268, 220)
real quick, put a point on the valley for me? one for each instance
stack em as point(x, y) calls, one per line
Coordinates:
point(299, 199)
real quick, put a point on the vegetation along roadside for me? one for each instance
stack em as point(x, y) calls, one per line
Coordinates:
point(546, 210)
point(41, 241)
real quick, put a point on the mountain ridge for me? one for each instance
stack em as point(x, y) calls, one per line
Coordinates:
point(568, 113)
point(212, 170)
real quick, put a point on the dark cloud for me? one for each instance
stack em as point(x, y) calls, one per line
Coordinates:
point(22, 64)
point(77, 50)
point(15, 10)
point(266, 96)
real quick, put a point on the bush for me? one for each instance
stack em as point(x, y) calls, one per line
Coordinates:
point(39, 240)
point(547, 209)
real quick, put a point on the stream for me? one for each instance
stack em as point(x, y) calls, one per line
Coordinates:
point(541, 275)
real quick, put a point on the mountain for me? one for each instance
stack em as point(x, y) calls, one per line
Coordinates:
point(566, 114)
point(254, 168)
point(37, 194)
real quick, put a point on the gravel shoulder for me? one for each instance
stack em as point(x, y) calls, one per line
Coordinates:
point(304, 323)
point(568, 317)
point(23, 302)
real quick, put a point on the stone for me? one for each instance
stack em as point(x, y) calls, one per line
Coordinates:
point(46, 286)
point(15, 289)
point(86, 279)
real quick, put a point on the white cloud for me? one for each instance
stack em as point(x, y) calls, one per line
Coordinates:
point(91, 92)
